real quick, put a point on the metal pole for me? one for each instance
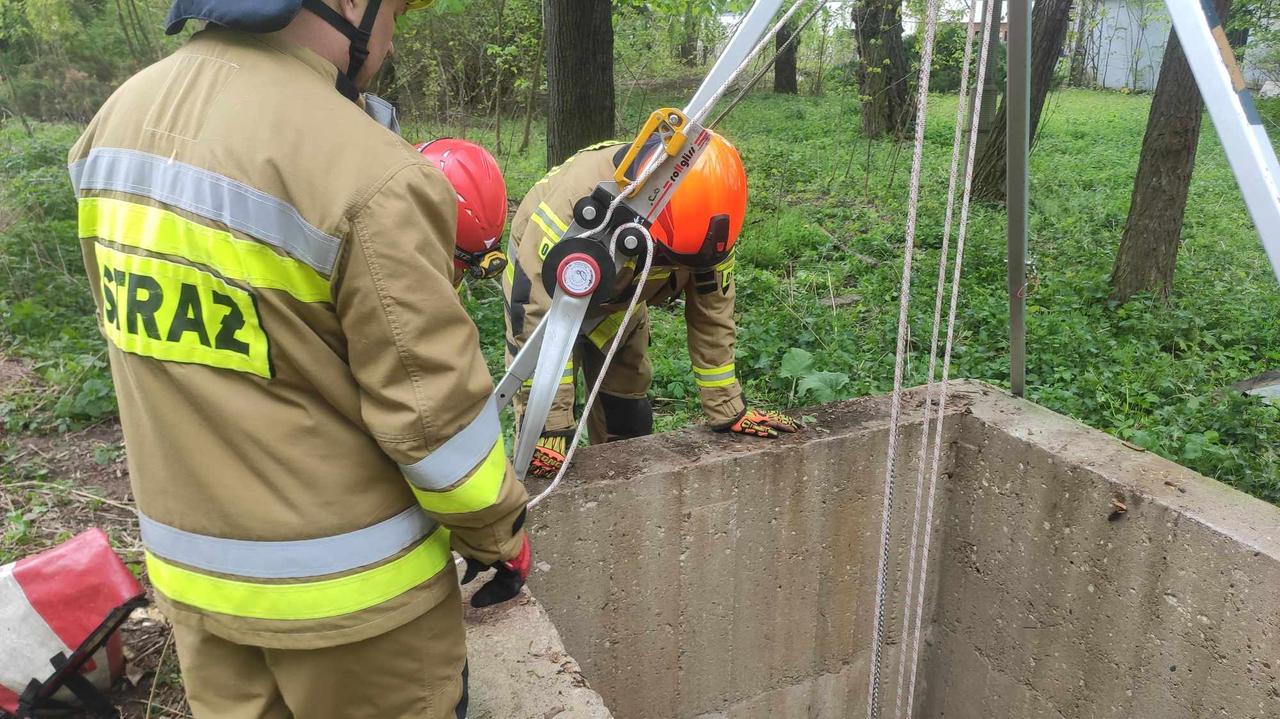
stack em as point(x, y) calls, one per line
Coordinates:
point(1019, 146)
point(1244, 139)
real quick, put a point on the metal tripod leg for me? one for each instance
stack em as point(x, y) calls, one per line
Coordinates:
point(1244, 139)
point(558, 332)
point(521, 369)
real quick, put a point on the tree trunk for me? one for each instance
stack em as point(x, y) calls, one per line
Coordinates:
point(13, 93)
point(1152, 234)
point(882, 73)
point(784, 69)
point(689, 40)
point(822, 54)
point(579, 75)
point(534, 81)
point(1049, 21)
point(986, 113)
point(496, 101)
point(140, 30)
point(125, 31)
point(1080, 53)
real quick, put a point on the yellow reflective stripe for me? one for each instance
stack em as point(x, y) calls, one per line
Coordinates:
point(156, 230)
point(604, 332)
point(174, 312)
point(714, 370)
point(722, 376)
point(550, 233)
point(510, 272)
point(303, 600)
point(601, 145)
point(565, 378)
point(551, 215)
point(478, 491)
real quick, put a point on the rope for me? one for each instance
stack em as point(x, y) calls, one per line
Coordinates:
point(943, 254)
point(764, 42)
point(608, 358)
point(649, 169)
point(895, 407)
point(656, 159)
point(778, 53)
point(961, 234)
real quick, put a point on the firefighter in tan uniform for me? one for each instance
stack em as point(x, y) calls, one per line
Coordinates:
point(694, 259)
point(304, 402)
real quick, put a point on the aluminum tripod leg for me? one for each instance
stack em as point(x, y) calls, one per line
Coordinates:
point(562, 324)
point(753, 26)
point(521, 369)
point(1244, 139)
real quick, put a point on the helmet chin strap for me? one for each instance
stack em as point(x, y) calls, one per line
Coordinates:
point(358, 35)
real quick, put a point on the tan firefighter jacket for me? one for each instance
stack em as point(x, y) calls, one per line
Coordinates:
point(297, 379)
point(708, 294)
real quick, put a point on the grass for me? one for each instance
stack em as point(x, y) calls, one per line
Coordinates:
point(818, 275)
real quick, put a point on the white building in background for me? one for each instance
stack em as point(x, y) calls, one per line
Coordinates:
point(1126, 46)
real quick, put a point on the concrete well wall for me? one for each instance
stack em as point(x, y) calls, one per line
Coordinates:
point(700, 576)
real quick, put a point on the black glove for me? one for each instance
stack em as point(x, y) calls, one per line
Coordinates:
point(506, 583)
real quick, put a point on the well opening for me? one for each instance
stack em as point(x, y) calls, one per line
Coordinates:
point(698, 576)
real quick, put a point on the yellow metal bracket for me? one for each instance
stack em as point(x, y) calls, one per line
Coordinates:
point(669, 125)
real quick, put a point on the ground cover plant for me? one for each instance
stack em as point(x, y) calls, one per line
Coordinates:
point(820, 266)
point(818, 274)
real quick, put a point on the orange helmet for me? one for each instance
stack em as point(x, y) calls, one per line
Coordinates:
point(699, 225)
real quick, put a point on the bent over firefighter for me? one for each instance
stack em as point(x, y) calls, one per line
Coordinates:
point(694, 238)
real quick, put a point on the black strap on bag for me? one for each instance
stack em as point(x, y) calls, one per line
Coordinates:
point(37, 699)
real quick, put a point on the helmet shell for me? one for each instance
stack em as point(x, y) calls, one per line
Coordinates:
point(481, 192)
point(255, 16)
point(690, 227)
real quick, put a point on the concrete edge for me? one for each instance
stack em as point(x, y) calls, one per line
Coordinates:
point(1225, 510)
point(673, 451)
point(519, 666)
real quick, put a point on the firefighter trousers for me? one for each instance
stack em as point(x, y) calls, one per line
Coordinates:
point(416, 671)
point(622, 410)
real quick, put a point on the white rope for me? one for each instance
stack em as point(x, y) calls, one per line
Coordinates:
point(654, 162)
point(943, 255)
point(895, 406)
point(765, 68)
point(761, 45)
point(641, 279)
point(961, 234)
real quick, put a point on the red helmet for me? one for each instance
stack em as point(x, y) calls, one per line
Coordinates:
point(699, 225)
point(482, 202)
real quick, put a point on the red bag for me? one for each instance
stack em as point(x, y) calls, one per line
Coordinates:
point(59, 610)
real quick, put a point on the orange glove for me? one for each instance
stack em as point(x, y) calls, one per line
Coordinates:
point(548, 456)
point(755, 423)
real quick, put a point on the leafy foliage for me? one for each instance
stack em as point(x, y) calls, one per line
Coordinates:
point(948, 57)
point(819, 260)
point(46, 313)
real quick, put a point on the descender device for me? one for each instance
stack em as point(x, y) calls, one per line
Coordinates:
point(610, 225)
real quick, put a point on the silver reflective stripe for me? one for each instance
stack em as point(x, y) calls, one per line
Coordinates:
point(454, 459)
point(714, 377)
point(548, 220)
point(209, 195)
point(382, 112)
point(287, 559)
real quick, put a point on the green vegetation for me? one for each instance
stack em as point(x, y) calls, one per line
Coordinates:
point(820, 266)
point(818, 275)
point(46, 313)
